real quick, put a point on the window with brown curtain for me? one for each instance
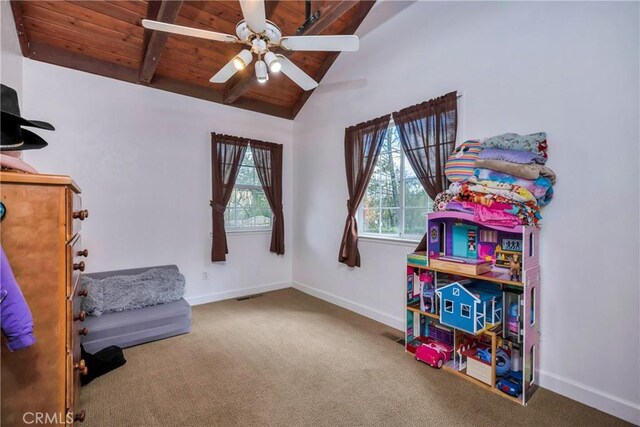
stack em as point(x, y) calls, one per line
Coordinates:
point(227, 156)
point(428, 135)
point(362, 145)
point(267, 158)
point(227, 153)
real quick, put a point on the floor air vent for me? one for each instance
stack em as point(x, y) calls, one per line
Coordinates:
point(248, 297)
point(392, 337)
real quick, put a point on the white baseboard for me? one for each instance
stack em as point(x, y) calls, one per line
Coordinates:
point(237, 293)
point(394, 322)
point(590, 396)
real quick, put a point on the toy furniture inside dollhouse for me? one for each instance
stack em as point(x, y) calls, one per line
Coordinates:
point(475, 292)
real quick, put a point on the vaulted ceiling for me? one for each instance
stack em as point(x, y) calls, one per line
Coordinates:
point(106, 38)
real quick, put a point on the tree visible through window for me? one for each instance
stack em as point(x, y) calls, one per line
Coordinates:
point(395, 204)
point(248, 207)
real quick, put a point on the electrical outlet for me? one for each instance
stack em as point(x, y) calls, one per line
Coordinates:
point(205, 275)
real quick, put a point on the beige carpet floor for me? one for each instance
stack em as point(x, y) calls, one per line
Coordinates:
point(288, 359)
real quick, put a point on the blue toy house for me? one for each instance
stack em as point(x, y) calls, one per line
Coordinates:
point(471, 308)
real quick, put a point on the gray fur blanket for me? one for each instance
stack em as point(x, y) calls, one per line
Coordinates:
point(119, 293)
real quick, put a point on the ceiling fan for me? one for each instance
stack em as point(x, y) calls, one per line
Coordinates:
point(261, 35)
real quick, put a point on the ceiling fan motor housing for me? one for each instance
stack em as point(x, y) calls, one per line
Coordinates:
point(271, 34)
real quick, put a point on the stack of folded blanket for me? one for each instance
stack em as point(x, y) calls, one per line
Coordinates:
point(508, 184)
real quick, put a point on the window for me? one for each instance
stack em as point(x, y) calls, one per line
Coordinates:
point(248, 208)
point(531, 244)
point(532, 365)
point(448, 306)
point(465, 311)
point(532, 304)
point(395, 204)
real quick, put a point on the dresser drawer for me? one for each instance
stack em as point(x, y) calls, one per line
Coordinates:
point(75, 364)
point(76, 262)
point(75, 368)
point(75, 214)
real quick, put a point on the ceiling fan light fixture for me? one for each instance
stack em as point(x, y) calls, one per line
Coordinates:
point(272, 61)
point(242, 59)
point(261, 72)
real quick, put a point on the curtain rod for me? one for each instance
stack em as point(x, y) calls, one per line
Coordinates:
point(458, 96)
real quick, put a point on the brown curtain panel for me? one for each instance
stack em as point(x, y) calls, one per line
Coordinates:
point(362, 145)
point(227, 153)
point(267, 158)
point(428, 135)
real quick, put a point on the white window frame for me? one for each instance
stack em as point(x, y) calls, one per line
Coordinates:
point(445, 306)
point(231, 229)
point(244, 230)
point(462, 307)
point(401, 209)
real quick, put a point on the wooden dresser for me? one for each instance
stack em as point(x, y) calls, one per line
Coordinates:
point(40, 235)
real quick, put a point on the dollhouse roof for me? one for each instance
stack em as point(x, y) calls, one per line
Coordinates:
point(457, 284)
point(479, 291)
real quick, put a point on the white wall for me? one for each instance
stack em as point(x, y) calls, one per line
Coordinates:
point(142, 159)
point(10, 55)
point(570, 69)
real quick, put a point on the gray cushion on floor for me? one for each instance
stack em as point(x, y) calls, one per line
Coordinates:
point(138, 326)
point(121, 291)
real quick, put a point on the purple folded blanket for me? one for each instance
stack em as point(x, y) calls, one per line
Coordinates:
point(512, 156)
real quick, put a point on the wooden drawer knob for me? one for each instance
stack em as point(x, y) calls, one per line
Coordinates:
point(79, 417)
point(80, 366)
point(79, 266)
point(81, 215)
point(80, 316)
point(83, 293)
point(84, 253)
point(83, 331)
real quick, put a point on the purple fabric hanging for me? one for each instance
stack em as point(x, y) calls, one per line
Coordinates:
point(15, 316)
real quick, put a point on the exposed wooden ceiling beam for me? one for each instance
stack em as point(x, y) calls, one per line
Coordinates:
point(66, 58)
point(23, 39)
point(330, 12)
point(363, 10)
point(158, 10)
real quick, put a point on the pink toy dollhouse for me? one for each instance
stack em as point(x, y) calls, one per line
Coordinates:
point(456, 246)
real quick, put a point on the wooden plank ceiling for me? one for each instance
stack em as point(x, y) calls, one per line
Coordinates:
point(106, 38)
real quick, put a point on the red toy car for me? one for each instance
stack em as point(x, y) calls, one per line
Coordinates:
point(434, 353)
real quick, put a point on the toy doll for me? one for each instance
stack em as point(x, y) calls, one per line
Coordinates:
point(514, 267)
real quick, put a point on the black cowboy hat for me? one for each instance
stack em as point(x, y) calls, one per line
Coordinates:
point(13, 136)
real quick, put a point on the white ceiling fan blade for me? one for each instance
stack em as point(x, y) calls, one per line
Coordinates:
point(225, 73)
point(298, 76)
point(188, 31)
point(254, 14)
point(323, 43)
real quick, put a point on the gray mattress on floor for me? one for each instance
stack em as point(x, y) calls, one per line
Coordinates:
point(133, 327)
